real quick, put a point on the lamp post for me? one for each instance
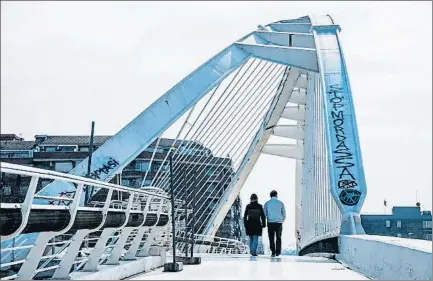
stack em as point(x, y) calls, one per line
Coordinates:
point(172, 266)
point(89, 190)
point(193, 213)
point(192, 259)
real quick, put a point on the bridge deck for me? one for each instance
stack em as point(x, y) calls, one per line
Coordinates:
point(259, 268)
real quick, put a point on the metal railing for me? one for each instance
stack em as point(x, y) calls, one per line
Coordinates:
point(121, 223)
point(209, 244)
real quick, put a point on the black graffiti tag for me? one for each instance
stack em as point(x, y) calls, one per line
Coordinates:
point(111, 164)
point(343, 159)
point(346, 184)
point(350, 197)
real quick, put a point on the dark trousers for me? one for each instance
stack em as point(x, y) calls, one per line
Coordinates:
point(275, 229)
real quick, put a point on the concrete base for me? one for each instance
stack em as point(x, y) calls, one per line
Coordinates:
point(173, 267)
point(124, 269)
point(387, 258)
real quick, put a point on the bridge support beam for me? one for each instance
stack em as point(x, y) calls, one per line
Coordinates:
point(120, 245)
point(132, 252)
point(27, 270)
point(93, 262)
point(144, 251)
point(62, 272)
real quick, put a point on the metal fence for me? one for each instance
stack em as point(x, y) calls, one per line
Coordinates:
point(51, 236)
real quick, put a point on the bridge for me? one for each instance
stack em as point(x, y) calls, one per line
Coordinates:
point(287, 79)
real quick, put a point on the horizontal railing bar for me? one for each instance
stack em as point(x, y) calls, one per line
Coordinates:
point(51, 256)
point(54, 198)
point(16, 248)
point(12, 263)
point(46, 268)
point(30, 171)
point(10, 277)
point(59, 243)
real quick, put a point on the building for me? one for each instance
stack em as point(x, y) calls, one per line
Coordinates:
point(406, 222)
point(195, 167)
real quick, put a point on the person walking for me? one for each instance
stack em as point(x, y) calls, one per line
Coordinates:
point(275, 213)
point(254, 221)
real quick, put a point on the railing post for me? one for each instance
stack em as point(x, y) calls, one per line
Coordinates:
point(27, 270)
point(126, 231)
point(132, 252)
point(62, 272)
point(93, 261)
point(155, 230)
point(26, 207)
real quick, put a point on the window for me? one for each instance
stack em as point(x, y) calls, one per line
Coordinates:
point(388, 224)
point(50, 149)
point(147, 182)
point(399, 224)
point(132, 182)
point(142, 166)
point(130, 167)
point(210, 171)
point(84, 148)
point(151, 149)
point(426, 224)
point(66, 148)
point(63, 167)
point(16, 154)
point(6, 190)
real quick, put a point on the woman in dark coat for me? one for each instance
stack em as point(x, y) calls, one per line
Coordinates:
point(254, 221)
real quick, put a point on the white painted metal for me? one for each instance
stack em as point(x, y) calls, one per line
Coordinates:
point(300, 40)
point(25, 209)
point(299, 96)
point(303, 58)
point(294, 112)
point(68, 253)
point(284, 150)
point(28, 269)
point(289, 131)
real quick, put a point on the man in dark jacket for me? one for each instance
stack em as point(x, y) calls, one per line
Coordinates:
point(254, 221)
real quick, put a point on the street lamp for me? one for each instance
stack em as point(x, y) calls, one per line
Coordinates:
point(172, 266)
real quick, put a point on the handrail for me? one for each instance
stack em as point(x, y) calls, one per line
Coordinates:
point(30, 171)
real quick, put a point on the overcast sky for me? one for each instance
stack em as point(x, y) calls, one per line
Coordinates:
point(64, 64)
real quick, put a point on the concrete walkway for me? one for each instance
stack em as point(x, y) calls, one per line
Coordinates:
point(258, 268)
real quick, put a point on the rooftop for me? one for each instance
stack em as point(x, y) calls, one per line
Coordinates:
point(16, 145)
point(12, 142)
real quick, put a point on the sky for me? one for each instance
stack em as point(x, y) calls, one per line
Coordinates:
point(64, 64)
